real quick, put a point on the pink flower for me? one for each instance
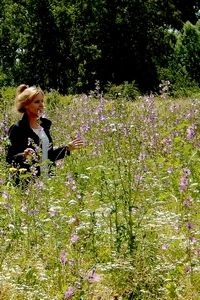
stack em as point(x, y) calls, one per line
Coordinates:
point(189, 226)
point(184, 180)
point(63, 258)
point(69, 293)
point(191, 131)
point(188, 202)
point(92, 277)
point(74, 238)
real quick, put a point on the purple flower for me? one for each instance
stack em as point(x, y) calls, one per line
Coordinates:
point(33, 212)
point(84, 128)
point(188, 202)
point(138, 178)
point(189, 226)
point(167, 143)
point(142, 156)
point(69, 293)
point(191, 131)
point(63, 258)
point(192, 240)
point(74, 238)
point(184, 180)
point(92, 277)
point(183, 183)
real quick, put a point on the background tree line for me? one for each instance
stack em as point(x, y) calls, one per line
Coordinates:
point(67, 45)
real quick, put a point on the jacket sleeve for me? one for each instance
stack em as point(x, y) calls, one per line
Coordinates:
point(58, 153)
point(15, 147)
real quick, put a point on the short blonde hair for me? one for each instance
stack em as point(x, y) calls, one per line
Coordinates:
point(25, 95)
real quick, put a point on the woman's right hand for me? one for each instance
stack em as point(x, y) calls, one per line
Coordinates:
point(29, 152)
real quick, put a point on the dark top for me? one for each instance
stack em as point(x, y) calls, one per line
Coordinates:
point(21, 136)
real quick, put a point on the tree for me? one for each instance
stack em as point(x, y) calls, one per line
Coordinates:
point(187, 51)
point(8, 42)
point(69, 44)
point(37, 55)
point(187, 10)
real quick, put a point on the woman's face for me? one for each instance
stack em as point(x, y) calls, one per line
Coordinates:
point(36, 107)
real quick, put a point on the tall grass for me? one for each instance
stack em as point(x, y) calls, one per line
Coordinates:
point(120, 219)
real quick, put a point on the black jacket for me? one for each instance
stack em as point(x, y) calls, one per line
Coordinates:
point(21, 136)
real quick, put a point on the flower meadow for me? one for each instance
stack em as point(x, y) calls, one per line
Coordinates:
point(120, 218)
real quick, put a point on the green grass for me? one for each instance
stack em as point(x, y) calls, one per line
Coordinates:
point(120, 220)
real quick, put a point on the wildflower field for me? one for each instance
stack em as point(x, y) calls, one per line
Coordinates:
point(121, 217)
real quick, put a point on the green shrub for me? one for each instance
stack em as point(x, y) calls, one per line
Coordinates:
point(7, 96)
point(126, 90)
point(55, 99)
point(181, 85)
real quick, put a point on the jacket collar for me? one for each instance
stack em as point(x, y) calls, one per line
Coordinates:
point(45, 123)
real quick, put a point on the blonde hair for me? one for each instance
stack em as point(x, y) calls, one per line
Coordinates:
point(25, 95)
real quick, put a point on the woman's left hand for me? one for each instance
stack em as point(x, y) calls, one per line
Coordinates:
point(76, 144)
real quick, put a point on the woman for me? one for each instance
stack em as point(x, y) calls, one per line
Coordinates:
point(30, 142)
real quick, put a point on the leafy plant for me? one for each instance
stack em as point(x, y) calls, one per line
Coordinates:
point(128, 91)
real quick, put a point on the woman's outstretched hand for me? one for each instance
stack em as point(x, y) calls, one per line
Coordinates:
point(76, 144)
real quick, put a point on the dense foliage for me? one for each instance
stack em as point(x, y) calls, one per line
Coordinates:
point(120, 219)
point(68, 45)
